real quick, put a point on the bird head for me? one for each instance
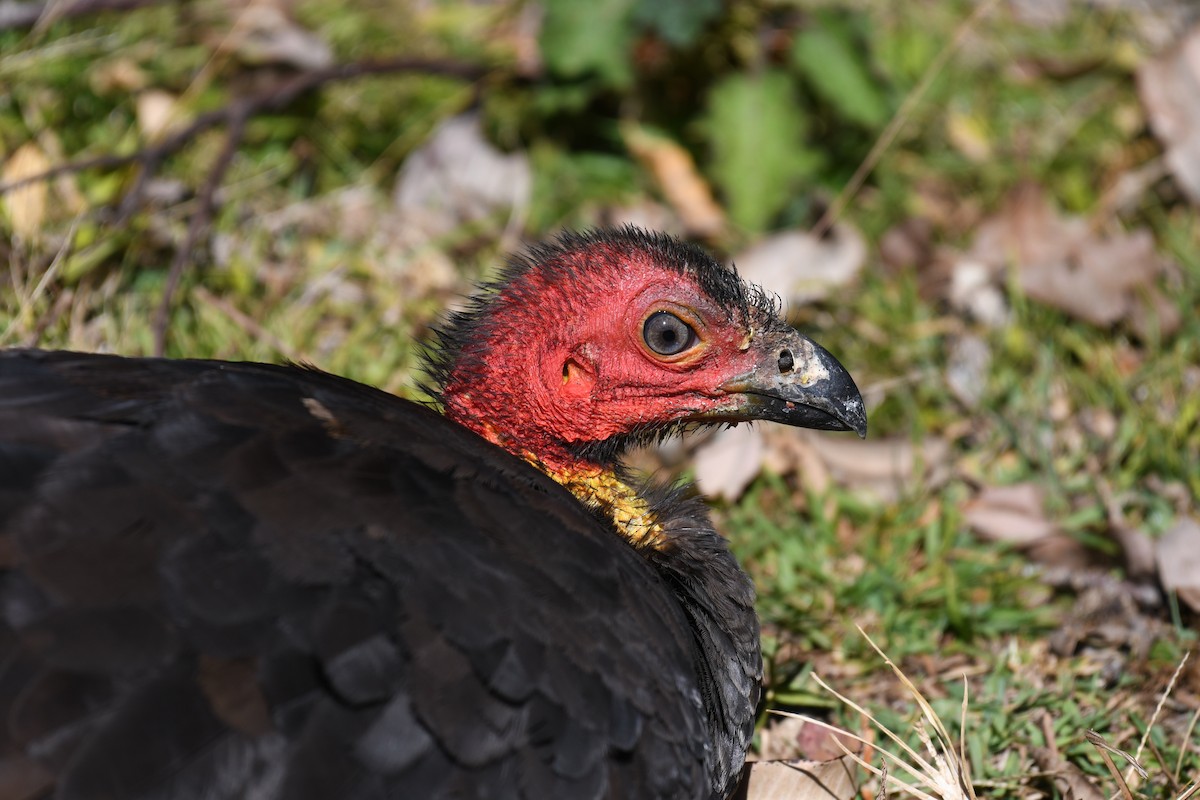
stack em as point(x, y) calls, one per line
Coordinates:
point(597, 340)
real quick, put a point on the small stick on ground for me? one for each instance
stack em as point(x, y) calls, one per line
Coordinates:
point(270, 100)
point(235, 116)
point(249, 325)
point(201, 217)
point(15, 16)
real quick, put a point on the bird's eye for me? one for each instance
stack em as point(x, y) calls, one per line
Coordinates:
point(668, 335)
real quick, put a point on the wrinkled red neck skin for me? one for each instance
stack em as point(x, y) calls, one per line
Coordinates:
point(558, 363)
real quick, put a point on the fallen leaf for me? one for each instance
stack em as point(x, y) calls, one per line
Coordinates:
point(1169, 86)
point(1095, 282)
point(1105, 619)
point(802, 267)
point(263, 32)
point(969, 135)
point(728, 460)
point(798, 780)
point(1061, 261)
point(789, 454)
point(1136, 545)
point(968, 368)
point(973, 290)
point(120, 75)
point(675, 172)
point(1014, 514)
point(882, 469)
point(459, 177)
point(1178, 555)
point(817, 743)
point(26, 206)
point(157, 112)
point(1069, 779)
point(907, 244)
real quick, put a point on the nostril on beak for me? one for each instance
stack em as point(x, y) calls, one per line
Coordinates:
point(785, 361)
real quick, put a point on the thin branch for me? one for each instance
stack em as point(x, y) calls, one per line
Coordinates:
point(16, 15)
point(898, 121)
point(206, 206)
point(234, 115)
point(270, 100)
point(249, 325)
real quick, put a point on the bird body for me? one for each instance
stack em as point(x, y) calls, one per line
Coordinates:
point(224, 580)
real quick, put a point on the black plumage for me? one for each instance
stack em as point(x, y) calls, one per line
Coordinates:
point(229, 580)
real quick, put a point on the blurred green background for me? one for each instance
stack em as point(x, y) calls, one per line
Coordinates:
point(987, 210)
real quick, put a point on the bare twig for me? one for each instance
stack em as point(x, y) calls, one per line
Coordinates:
point(206, 205)
point(234, 115)
point(1187, 737)
point(270, 100)
point(16, 15)
point(897, 122)
point(1097, 741)
point(250, 325)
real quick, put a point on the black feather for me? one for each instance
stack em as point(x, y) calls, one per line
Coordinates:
point(231, 581)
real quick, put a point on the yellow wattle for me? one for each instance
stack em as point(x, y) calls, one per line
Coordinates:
point(601, 490)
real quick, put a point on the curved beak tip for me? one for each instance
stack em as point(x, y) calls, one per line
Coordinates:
point(814, 390)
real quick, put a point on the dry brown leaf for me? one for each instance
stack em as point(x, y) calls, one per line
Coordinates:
point(1063, 552)
point(798, 780)
point(1070, 779)
point(883, 469)
point(264, 32)
point(789, 737)
point(816, 743)
point(790, 454)
point(1169, 86)
point(1014, 514)
point(728, 460)
point(157, 112)
point(801, 267)
point(907, 244)
point(26, 206)
point(675, 172)
point(1178, 554)
point(1061, 261)
point(121, 75)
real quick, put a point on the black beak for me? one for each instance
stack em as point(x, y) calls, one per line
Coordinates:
point(797, 382)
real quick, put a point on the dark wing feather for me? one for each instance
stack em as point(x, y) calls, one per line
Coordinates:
point(244, 581)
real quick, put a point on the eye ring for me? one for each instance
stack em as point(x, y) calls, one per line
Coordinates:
point(667, 335)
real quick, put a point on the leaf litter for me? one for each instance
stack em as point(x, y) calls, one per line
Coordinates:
point(1062, 261)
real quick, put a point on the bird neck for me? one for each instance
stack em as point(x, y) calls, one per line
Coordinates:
point(602, 490)
point(599, 487)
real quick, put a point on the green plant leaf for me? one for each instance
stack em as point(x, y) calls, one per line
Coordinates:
point(759, 156)
point(828, 60)
point(580, 38)
point(678, 21)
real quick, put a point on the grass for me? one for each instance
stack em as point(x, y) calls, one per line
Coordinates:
point(307, 260)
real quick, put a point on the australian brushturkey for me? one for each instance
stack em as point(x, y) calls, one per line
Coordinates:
point(224, 580)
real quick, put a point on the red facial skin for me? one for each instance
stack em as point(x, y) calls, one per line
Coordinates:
point(561, 359)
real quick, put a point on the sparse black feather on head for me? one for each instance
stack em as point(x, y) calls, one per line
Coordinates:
point(335, 592)
point(564, 257)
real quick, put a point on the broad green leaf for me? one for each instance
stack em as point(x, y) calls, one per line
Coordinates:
point(582, 38)
point(678, 21)
point(756, 132)
point(837, 72)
